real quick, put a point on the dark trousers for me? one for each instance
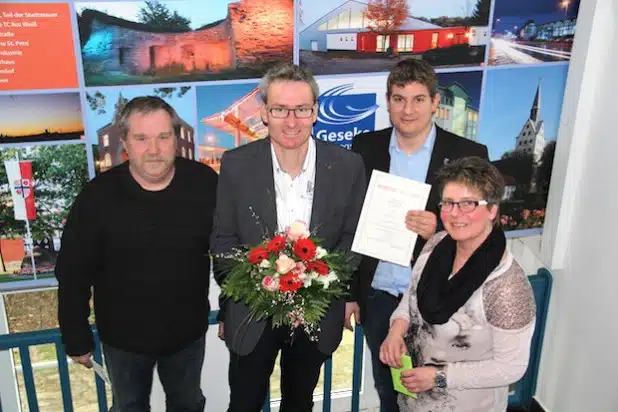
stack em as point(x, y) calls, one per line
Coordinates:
point(180, 374)
point(376, 320)
point(300, 364)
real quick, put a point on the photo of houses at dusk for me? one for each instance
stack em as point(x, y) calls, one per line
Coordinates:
point(229, 121)
point(40, 118)
point(460, 95)
point(521, 116)
point(181, 41)
point(532, 31)
point(352, 36)
point(103, 115)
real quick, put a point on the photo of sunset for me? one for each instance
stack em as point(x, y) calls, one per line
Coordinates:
point(40, 118)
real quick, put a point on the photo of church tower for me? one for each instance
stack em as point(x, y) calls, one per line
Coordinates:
point(520, 119)
point(531, 138)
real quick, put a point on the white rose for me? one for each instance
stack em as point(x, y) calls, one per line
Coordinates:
point(327, 280)
point(306, 278)
point(320, 252)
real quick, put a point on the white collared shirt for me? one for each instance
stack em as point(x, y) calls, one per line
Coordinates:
point(294, 196)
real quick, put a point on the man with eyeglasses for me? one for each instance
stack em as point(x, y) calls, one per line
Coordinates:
point(286, 177)
point(414, 148)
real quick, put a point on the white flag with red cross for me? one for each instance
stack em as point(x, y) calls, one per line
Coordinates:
point(19, 174)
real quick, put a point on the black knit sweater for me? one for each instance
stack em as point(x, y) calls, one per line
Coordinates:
point(146, 256)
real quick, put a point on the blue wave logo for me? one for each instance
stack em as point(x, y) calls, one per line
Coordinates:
point(333, 110)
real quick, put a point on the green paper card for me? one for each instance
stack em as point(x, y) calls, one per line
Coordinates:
point(406, 360)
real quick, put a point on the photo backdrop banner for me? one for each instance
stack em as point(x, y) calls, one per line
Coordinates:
point(67, 68)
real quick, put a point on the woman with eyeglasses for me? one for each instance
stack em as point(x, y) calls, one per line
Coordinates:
point(468, 317)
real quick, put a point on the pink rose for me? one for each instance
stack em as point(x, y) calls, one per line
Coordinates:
point(284, 264)
point(297, 230)
point(270, 283)
point(300, 268)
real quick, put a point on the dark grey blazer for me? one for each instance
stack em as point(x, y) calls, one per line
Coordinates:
point(246, 186)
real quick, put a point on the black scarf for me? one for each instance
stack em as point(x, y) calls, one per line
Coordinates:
point(440, 297)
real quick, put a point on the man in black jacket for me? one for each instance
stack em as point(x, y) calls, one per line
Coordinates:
point(138, 236)
point(414, 148)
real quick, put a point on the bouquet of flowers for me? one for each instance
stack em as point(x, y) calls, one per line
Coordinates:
point(288, 277)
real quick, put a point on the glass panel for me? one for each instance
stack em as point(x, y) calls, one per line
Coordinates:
point(382, 43)
point(356, 20)
point(344, 20)
point(404, 42)
point(343, 364)
point(28, 311)
point(47, 382)
point(31, 311)
point(434, 40)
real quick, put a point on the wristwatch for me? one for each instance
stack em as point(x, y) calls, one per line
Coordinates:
point(440, 380)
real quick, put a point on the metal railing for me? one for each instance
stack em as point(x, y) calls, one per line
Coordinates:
point(522, 395)
point(23, 341)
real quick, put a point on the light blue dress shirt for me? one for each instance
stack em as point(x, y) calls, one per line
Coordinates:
point(390, 277)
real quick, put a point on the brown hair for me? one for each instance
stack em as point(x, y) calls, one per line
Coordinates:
point(476, 173)
point(410, 71)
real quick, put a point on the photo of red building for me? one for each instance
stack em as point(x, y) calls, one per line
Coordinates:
point(347, 36)
point(414, 41)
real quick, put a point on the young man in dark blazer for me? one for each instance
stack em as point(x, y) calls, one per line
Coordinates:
point(414, 148)
point(286, 177)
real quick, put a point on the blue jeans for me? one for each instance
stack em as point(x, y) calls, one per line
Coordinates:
point(180, 374)
point(376, 320)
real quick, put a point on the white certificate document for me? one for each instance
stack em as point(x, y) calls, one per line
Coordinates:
point(381, 232)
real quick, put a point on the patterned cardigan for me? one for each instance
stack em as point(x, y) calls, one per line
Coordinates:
point(485, 345)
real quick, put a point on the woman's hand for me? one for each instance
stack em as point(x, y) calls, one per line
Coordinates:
point(391, 350)
point(419, 379)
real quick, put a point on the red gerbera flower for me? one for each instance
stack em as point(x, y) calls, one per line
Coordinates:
point(290, 283)
point(257, 255)
point(276, 244)
point(304, 249)
point(318, 266)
